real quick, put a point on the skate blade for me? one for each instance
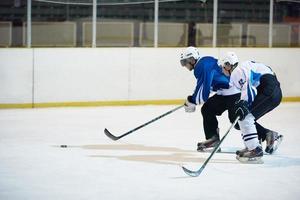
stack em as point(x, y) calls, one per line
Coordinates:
point(209, 150)
point(245, 160)
point(276, 144)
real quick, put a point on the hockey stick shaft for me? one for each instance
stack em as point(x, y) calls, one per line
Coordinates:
point(113, 137)
point(198, 172)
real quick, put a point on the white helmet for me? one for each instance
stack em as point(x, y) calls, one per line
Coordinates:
point(190, 52)
point(230, 58)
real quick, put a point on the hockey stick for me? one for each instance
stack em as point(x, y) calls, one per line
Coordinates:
point(198, 172)
point(113, 137)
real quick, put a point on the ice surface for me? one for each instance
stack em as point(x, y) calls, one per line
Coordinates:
point(143, 165)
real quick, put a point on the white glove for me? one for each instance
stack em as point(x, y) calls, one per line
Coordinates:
point(189, 107)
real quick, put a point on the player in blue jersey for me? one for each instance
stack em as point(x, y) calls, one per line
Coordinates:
point(260, 93)
point(209, 78)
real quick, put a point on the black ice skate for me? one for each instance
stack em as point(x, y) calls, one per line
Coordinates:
point(208, 145)
point(252, 157)
point(273, 140)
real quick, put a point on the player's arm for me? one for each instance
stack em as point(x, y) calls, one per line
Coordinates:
point(248, 91)
point(203, 88)
point(201, 92)
point(241, 79)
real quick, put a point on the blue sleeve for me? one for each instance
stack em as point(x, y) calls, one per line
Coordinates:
point(202, 91)
point(204, 72)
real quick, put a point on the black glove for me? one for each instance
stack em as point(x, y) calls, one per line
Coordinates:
point(241, 109)
point(237, 126)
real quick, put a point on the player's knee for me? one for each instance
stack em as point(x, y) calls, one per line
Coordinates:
point(248, 124)
point(205, 109)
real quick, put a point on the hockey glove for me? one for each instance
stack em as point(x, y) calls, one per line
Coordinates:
point(241, 109)
point(189, 106)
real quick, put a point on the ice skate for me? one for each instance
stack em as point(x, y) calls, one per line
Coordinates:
point(241, 151)
point(252, 157)
point(273, 140)
point(208, 145)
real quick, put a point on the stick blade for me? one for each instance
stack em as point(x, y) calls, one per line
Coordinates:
point(111, 136)
point(191, 173)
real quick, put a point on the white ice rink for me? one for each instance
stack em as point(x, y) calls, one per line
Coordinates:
point(143, 165)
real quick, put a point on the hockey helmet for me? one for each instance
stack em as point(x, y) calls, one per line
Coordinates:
point(229, 63)
point(187, 54)
point(230, 59)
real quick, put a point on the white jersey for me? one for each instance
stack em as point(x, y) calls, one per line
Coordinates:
point(229, 91)
point(246, 78)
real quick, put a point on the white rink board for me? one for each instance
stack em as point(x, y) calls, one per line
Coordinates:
point(81, 75)
point(16, 76)
point(112, 74)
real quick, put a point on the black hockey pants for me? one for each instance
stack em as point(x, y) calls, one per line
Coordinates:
point(268, 97)
point(214, 107)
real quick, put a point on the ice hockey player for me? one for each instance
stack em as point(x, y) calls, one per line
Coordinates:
point(209, 76)
point(260, 93)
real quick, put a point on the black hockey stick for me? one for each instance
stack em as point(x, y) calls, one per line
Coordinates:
point(198, 172)
point(113, 137)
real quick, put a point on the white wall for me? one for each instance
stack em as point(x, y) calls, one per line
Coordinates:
point(110, 74)
point(16, 76)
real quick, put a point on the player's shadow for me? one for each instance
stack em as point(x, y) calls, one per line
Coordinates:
point(176, 156)
point(153, 154)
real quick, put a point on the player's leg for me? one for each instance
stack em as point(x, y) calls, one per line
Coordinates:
point(212, 108)
point(253, 151)
point(230, 102)
point(230, 105)
point(269, 97)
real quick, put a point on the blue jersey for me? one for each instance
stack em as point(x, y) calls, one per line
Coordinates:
point(209, 77)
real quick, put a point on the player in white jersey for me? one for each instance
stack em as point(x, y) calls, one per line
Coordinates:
point(260, 93)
